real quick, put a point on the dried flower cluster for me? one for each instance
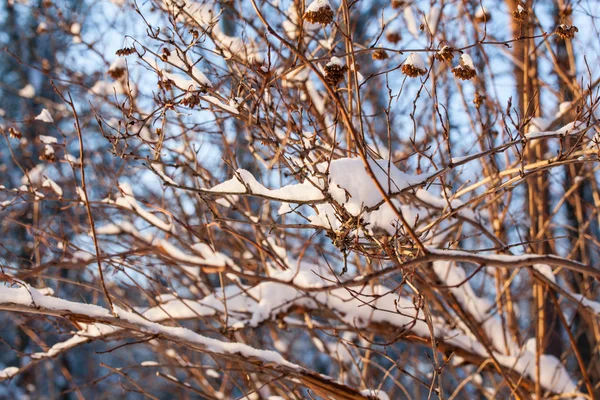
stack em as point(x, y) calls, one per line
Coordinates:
point(482, 15)
point(319, 12)
point(235, 208)
point(445, 54)
point(117, 72)
point(165, 54)
point(566, 31)
point(414, 66)
point(125, 51)
point(14, 133)
point(48, 154)
point(396, 4)
point(478, 99)
point(393, 37)
point(520, 14)
point(191, 100)
point(379, 54)
point(465, 70)
point(334, 71)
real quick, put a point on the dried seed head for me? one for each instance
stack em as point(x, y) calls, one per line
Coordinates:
point(478, 99)
point(195, 33)
point(117, 68)
point(396, 4)
point(165, 84)
point(42, 28)
point(393, 37)
point(520, 14)
point(191, 100)
point(566, 12)
point(334, 71)
point(46, 65)
point(379, 54)
point(566, 31)
point(48, 154)
point(116, 73)
point(14, 133)
point(466, 69)
point(414, 66)
point(319, 12)
point(165, 54)
point(125, 51)
point(445, 54)
point(482, 15)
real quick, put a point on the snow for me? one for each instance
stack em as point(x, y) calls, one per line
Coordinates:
point(553, 375)
point(107, 88)
point(477, 307)
point(466, 61)
point(28, 91)
point(316, 5)
point(47, 139)
point(432, 19)
point(349, 185)
point(334, 61)
point(416, 60)
point(128, 201)
point(76, 28)
point(215, 101)
point(411, 22)
point(182, 83)
point(204, 256)
point(249, 306)
point(546, 271)
point(53, 185)
point(34, 175)
point(119, 63)
point(45, 116)
point(572, 128)
point(291, 25)
point(212, 373)
point(48, 150)
point(378, 394)
point(30, 297)
point(300, 192)
point(8, 372)
point(81, 193)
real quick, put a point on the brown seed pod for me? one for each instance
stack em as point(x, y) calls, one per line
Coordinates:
point(14, 133)
point(117, 69)
point(393, 37)
point(478, 99)
point(165, 54)
point(191, 100)
point(445, 54)
point(319, 12)
point(482, 15)
point(334, 71)
point(414, 66)
point(465, 70)
point(566, 31)
point(379, 54)
point(566, 11)
point(48, 154)
point(396, 4)
point(520, 14)
point(125, 51)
